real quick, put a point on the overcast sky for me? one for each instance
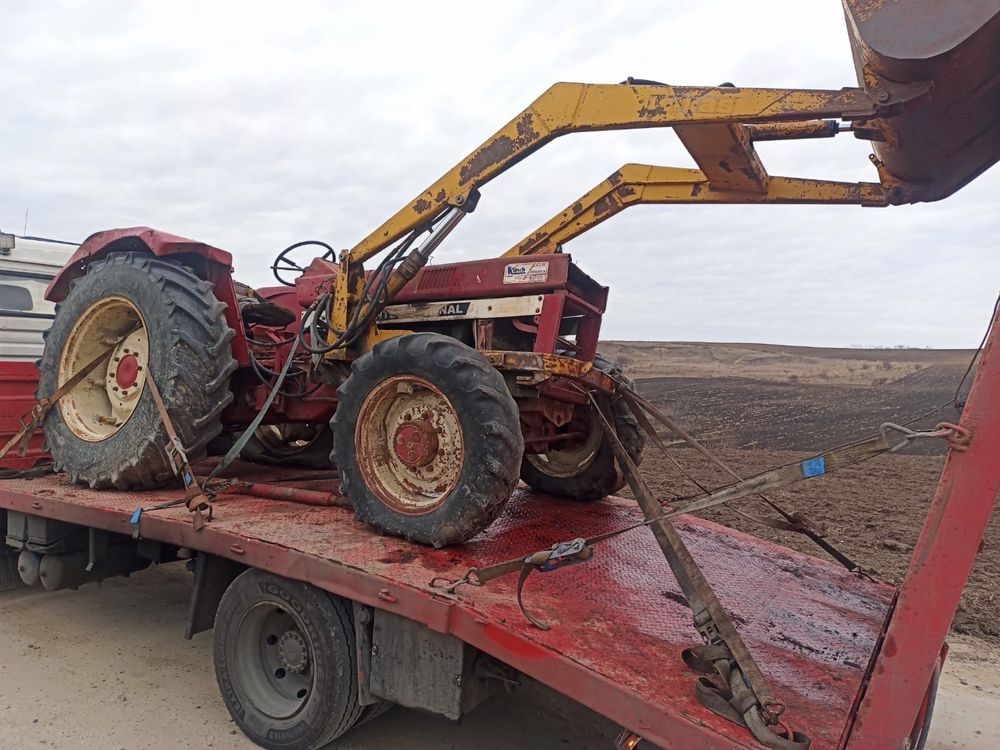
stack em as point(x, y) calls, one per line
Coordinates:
point(253, 125)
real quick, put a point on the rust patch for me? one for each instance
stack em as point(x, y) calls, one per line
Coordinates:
point(604, 206)
point(441, 196)
point(529, 242)
point(724, 165)
point(616, 178)
point(421, 205)
point(577, 208)
point(696, 189)
point(648, 113)
point(626, 191)
point(500, 149)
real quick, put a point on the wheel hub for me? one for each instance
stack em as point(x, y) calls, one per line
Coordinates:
point(416, 443)
point(127, 371)
point(409, 440)
point(293, 652)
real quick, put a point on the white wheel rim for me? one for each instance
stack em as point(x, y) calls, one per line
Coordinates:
point(100, 405)
point(409, 444)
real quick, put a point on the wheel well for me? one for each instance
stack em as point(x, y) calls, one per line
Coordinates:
point(206, 262)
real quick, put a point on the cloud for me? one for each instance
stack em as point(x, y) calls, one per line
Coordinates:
point(254, 125)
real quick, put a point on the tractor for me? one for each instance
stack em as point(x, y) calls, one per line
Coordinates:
point(432, 389)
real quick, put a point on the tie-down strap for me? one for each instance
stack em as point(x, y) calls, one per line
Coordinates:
point(43, 406)
point(729, 696)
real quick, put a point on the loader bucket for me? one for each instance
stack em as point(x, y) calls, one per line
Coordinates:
point(943, 140)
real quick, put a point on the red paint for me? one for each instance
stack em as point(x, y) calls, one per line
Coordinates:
point(161, 244)
point(510, 643)
point(416, 443)
point(127, 371)
point(18, 381)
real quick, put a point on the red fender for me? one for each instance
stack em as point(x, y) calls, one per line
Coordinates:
point(215, 266)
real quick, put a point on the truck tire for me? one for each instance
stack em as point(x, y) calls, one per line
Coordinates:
point(304, 445)
point(9, 577)
point(588, 471)
point(427, 439)
point(107, 432)
point(285, 661)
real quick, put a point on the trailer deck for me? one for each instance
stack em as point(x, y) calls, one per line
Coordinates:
point(618, 623)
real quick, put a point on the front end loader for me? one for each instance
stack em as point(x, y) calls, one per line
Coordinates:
point(433, 389)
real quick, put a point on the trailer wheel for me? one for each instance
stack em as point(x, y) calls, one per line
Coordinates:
point(9, 576)
point(107, 432)
point(285, 661)
point(587, 470)
point(427, 439)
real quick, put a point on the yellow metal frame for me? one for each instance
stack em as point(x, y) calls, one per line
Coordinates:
point(716, 124)
point(636, 184)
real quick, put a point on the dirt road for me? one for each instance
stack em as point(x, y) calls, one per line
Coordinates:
point(106, 668)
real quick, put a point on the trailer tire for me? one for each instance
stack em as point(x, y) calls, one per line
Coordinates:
point(296, 689)
point(446, 401)
point(591, 473)
point(183, 340)
point(9, 577)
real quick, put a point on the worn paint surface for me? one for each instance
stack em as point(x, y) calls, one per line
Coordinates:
point(579, 107)
point(643, 184)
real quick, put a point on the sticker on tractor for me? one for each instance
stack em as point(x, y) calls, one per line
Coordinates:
point(454, 308)
point(526, 273)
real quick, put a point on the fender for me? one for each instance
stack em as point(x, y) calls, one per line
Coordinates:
point(210, 263)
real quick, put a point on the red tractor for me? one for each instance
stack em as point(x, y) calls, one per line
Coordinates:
point(430, 428)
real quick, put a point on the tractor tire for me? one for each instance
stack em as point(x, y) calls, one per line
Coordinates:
point(307, 446)
point(427, 439)
point(107, 431)
point(286, 662)
point(589, 472)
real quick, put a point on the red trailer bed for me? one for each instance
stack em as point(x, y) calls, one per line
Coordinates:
point(619, 623)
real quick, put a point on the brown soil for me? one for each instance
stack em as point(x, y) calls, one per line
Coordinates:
point(873, 511)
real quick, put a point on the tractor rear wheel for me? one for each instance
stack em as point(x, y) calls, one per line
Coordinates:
point(427, 439)
point(107, 432)
point(586, 470)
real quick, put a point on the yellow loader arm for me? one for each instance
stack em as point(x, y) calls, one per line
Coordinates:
point(635, 184)
point(711, 116)
point(928, 99)
point(710, 121)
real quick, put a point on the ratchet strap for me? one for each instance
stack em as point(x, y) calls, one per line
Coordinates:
point(745, 690)
point(198, 498)
point(194, 497)
point(33, 420)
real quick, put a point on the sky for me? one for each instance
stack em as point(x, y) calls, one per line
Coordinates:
point(253, 125)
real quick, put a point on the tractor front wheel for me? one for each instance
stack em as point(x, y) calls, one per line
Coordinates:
point(427, 439)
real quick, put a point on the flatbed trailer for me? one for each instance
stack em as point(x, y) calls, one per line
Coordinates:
point(853, 659)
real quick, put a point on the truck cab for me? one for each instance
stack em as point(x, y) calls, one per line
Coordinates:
point(27, 265)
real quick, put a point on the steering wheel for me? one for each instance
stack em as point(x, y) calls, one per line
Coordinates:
point(284, 263)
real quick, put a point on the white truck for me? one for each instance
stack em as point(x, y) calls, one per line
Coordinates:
point(27, 265)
